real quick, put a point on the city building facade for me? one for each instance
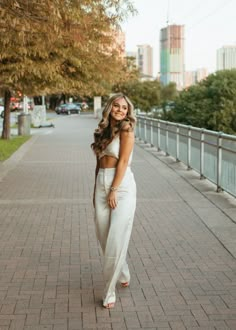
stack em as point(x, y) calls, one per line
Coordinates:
point(144, 60)
point(193, 77)
point(226, 58)
point(201, 74)
point(189, 78)
point(172, 51)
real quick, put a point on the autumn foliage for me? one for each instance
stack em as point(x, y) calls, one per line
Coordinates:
point(57, 46)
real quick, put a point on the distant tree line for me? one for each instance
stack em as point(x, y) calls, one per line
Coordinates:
point(210, 104)
point(147, 95)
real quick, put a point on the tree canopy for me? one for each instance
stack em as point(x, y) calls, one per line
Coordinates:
point(52, 46)
point(147, 94)
point(210, 104)
point(57, 45)
point(144, 94)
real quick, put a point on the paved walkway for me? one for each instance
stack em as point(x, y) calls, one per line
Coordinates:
point(181, 252)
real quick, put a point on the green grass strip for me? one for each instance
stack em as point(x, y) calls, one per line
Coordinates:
point(8, 147)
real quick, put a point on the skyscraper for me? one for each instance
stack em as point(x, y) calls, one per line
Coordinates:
point(226, 58)
point(172, 55)
point(145, 60)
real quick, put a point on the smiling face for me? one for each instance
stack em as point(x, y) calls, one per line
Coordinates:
point(119, 110)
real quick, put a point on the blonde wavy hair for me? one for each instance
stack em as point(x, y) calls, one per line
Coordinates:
point(104, 134)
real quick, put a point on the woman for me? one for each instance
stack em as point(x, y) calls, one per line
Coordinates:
point(114, 191)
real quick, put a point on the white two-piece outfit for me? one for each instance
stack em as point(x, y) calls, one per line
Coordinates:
point(113, 226)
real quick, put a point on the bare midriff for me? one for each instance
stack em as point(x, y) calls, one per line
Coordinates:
point(108, 162)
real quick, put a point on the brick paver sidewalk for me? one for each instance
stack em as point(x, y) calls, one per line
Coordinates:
point(183, 274)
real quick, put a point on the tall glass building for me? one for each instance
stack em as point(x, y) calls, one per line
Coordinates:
point(172, 55)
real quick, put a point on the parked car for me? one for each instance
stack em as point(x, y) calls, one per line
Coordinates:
point(68, 108)
point(13, 107)
point(2, 111)
point(83, 105)
point(16, 106)
point(30, 106)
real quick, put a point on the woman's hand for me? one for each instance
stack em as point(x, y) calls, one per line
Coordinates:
point(94, 195)
point(112, 199)
point(94, 199)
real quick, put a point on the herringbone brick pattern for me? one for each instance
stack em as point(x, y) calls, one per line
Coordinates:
point(183, 277)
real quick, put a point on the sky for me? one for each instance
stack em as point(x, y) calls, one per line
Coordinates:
point(209, 25)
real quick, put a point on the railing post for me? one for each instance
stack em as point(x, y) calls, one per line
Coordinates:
point(219, 162)
point(139, 129)
point(151, 133)
point(177, 143)
point(167, 139)
point(158, 136)
point(145, 131)
point(209, 165)
point(189, 149)
point(202, 145)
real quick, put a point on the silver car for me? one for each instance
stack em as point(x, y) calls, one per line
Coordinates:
point(68, 109)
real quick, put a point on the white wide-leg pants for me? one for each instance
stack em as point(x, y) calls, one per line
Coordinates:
point(113, 227)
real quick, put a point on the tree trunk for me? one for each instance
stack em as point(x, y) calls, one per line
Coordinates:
point(6, 131)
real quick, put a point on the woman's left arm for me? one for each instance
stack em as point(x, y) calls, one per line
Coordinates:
point(126, 147)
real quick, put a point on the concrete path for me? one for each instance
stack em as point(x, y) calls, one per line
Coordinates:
point(181, 254)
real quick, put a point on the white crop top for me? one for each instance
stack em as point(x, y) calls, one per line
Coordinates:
point(113, 150)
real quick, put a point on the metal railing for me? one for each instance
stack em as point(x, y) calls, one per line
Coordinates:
point(212, 154)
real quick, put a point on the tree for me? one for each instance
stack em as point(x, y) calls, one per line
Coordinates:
point(129, 74)
point(189, 106)
point(169, 94)
point(53, 46)
point(209, 104)
point(144, 94)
